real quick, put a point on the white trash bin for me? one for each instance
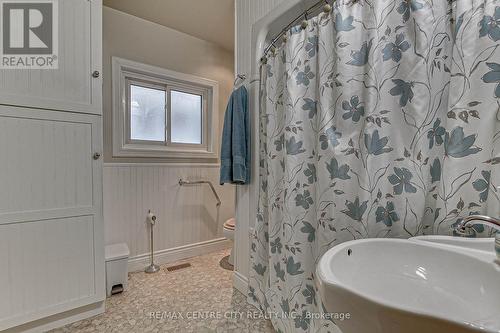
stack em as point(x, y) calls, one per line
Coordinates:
point(116, 268)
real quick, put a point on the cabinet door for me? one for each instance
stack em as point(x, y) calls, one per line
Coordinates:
point(51, 228)
point(72, 86)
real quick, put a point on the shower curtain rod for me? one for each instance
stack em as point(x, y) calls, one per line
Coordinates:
point(294, 21)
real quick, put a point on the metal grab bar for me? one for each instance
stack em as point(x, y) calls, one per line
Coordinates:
point(195, 182)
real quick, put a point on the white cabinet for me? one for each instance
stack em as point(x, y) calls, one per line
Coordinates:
point(51, 225)
point(72, 86)
point(51, 230)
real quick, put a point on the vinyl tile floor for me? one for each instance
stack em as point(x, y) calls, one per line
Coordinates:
point(199, 298)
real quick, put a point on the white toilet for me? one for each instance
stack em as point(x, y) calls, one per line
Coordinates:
point(228, 232)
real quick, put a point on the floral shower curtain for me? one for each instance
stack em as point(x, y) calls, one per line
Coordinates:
point(380, 119)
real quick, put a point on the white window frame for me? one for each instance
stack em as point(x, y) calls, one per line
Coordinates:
point(126, 73)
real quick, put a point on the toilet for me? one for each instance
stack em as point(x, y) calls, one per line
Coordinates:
point(228, 232)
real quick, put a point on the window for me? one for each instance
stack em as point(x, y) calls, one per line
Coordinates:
point(161, 113)
point(186, 117)
point(147, 113)
point(165, 114)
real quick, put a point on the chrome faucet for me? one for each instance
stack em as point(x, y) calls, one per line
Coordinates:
point(465, 227)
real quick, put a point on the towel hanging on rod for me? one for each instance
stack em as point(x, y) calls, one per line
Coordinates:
point(235, 146)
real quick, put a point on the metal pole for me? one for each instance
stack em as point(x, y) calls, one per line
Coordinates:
point(152, 268)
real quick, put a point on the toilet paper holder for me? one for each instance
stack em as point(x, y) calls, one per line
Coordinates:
point(152, 268)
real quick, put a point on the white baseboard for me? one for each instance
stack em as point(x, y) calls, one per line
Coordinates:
point(138, 263)
point(240, 282)
point(59, 320)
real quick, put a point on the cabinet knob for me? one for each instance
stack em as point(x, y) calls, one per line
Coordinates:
point(96, 74)
point(97, 156)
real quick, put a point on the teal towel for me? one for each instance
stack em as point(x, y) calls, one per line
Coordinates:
point(235, 146)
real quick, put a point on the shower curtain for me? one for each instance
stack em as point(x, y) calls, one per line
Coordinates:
point(380, 119)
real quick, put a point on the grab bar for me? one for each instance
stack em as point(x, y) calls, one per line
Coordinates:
point(196, 182)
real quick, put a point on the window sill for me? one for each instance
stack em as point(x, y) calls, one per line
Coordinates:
point(134, 150)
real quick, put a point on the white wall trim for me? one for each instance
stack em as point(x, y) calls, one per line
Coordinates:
point(138, 263)
point(240, 282)
point(59, 320)
point(172, 165)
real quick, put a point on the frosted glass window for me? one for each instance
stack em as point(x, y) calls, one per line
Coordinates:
point(186, 117)
point(160, 113)
point(147, 113)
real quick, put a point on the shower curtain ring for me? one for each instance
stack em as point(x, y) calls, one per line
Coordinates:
point(273, 49)
point(327, 7)
point(304, 23)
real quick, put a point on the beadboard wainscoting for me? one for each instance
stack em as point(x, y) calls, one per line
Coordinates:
point(248, 12)
point(188, 221)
